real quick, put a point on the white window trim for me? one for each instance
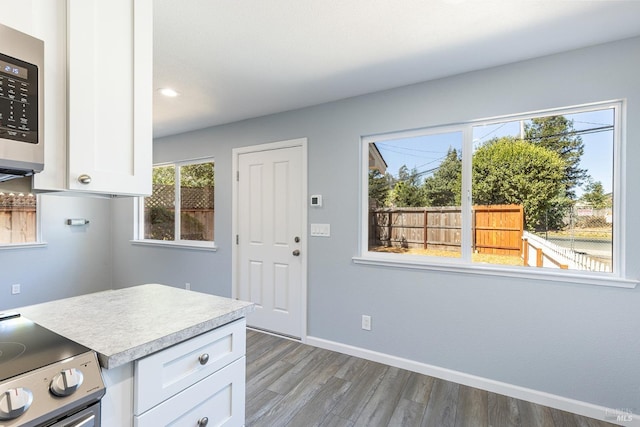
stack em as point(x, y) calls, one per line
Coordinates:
point(13, 246)
point(463, 264)
point(138, 227)
point(184, 244)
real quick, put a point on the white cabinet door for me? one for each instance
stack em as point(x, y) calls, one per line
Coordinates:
point(110, 49)
point(217, 400)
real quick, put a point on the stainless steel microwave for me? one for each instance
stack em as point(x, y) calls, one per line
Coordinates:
point(21, 104)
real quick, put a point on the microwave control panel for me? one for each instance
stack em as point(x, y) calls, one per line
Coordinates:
point(18, 100)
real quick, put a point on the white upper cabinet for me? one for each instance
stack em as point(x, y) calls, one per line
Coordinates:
point(98, 94)
point(46, 20)
point(110, 90)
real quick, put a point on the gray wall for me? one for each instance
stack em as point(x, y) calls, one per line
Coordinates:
point(577, 341)
point(76, 260)
point(134, 264)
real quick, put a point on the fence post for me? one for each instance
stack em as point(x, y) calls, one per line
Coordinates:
point(426, 215)
point(521, 214)
point(525, 251)
point(474, 232)
point(538, 257)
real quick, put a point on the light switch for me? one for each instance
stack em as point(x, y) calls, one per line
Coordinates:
point(321, 230)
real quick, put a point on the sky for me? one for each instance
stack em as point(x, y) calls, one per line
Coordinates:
point(425, 153)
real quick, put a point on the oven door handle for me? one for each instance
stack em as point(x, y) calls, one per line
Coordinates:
point(86, 421)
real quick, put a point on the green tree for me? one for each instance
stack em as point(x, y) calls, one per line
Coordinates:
point(511, 171)
point(556, 133)
point(379, 188)
point(197, 175)
point(407, 190)
point(443, 188)
point(404, 194)
point(554, 217)
point(594, 195)
point(408, 176)
point(164, 175)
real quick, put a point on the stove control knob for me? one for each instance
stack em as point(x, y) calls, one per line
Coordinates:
point(66, 382)
point(15, 402)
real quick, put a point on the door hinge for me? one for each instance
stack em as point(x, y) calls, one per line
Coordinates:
point(237, 175)
point(237, 239)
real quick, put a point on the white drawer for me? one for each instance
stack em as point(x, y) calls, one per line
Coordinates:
point(219, 397)
point(165, 373)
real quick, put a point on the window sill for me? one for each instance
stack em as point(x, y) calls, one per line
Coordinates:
point(193, 245)
point(597, 279)
point(10, 246)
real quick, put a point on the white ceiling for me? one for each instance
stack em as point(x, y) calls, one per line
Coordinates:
point(235, 59)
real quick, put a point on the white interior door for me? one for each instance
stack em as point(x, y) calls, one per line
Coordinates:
point(270, 248)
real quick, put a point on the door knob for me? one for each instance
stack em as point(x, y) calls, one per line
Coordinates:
point(296, 252)
point(203, 359)
point(84, 179)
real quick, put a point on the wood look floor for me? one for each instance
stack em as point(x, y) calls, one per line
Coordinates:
point(292, 384)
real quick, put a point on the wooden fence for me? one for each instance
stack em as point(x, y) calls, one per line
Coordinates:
point(197, 224)
point(496, 229)
point(17, 218)
point(191, 197)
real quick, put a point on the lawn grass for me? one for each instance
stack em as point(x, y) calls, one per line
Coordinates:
point(476, 258)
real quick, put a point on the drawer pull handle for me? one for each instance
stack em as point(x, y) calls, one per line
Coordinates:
point(203, 359)
point(203, 421)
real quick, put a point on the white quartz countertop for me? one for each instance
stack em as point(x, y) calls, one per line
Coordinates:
point(126, 324)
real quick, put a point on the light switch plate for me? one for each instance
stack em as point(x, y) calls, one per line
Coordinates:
point(321, 230)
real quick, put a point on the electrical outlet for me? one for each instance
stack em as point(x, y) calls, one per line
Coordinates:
point(187, 286)
point(15, 289)
point(366, 322)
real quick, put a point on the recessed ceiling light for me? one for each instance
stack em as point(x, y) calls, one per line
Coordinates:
point(168, 92)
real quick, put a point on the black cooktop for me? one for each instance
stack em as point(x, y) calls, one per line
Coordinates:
point(25, 346)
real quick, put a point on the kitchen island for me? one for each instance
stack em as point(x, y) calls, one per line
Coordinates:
point(157, 344)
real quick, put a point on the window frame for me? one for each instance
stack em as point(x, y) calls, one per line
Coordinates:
point(463, 264)
point(139, 225)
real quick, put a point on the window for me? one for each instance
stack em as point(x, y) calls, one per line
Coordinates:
point(182, 213)
point(18, 218)
point(539, 191)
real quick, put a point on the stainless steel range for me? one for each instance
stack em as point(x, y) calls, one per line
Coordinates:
point(46, 379)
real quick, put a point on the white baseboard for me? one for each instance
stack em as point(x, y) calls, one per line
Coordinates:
point(614, 416)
